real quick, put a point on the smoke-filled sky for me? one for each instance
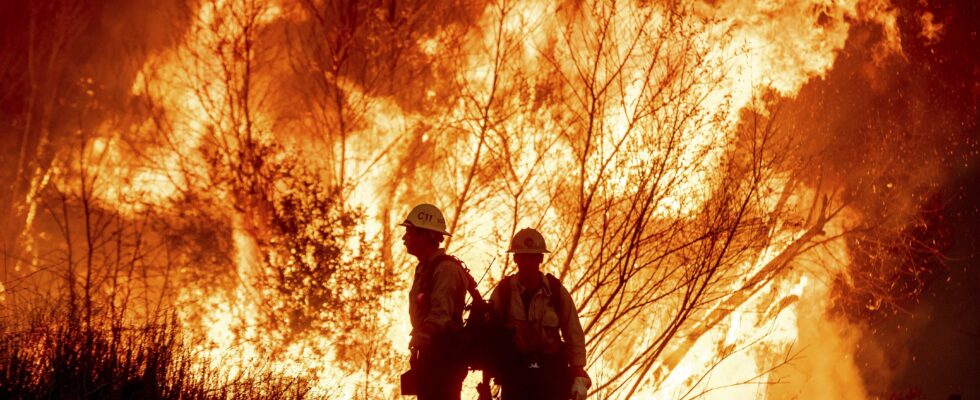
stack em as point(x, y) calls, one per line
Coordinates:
point(920, 102)
point(925, 107)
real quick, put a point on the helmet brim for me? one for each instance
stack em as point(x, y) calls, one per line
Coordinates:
point(528, 251)
point(408, 223)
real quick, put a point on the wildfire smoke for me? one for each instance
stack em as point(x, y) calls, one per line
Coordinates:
point(243, 165)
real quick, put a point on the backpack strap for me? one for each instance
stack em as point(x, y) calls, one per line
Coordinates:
point(505, 291)
point(430, 271)
point(555, 286)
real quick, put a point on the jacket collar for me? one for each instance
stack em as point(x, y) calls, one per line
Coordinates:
point(440, 251)
point(544, 284)
point(422, 265)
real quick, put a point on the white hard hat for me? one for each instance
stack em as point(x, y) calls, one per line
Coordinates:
point(427, 216)
point(527, 241)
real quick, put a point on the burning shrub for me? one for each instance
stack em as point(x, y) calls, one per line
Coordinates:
point(321, 273)
point(59, 358)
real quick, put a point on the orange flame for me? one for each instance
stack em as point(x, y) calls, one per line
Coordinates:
point(747, 47)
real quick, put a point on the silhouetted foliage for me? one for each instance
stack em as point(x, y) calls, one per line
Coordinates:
point(54, 359)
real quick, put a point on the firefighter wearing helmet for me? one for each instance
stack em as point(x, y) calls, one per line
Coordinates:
point(548, 357)
point(436, 303)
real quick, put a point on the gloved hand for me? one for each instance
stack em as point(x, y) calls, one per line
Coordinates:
point(580, 386)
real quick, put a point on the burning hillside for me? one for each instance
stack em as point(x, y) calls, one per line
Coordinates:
point(736, 193)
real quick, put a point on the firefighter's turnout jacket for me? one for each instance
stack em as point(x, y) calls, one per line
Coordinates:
point(540, 329)
point(444, 297)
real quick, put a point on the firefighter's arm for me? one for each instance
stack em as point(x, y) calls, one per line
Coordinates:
point(571, 331)
point(498, 304)
point(446, 282)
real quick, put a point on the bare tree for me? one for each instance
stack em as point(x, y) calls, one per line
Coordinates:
point(646, 219)
point(38, 77)
point(314, 274)
point(599, 123)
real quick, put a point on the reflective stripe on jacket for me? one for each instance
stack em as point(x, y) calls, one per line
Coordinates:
point(446, 297)
point(541, 328)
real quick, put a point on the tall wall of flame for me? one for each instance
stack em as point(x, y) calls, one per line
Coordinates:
point(616, 128)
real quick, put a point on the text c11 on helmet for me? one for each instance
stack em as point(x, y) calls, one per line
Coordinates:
point(427, 216)
point(527, 241)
